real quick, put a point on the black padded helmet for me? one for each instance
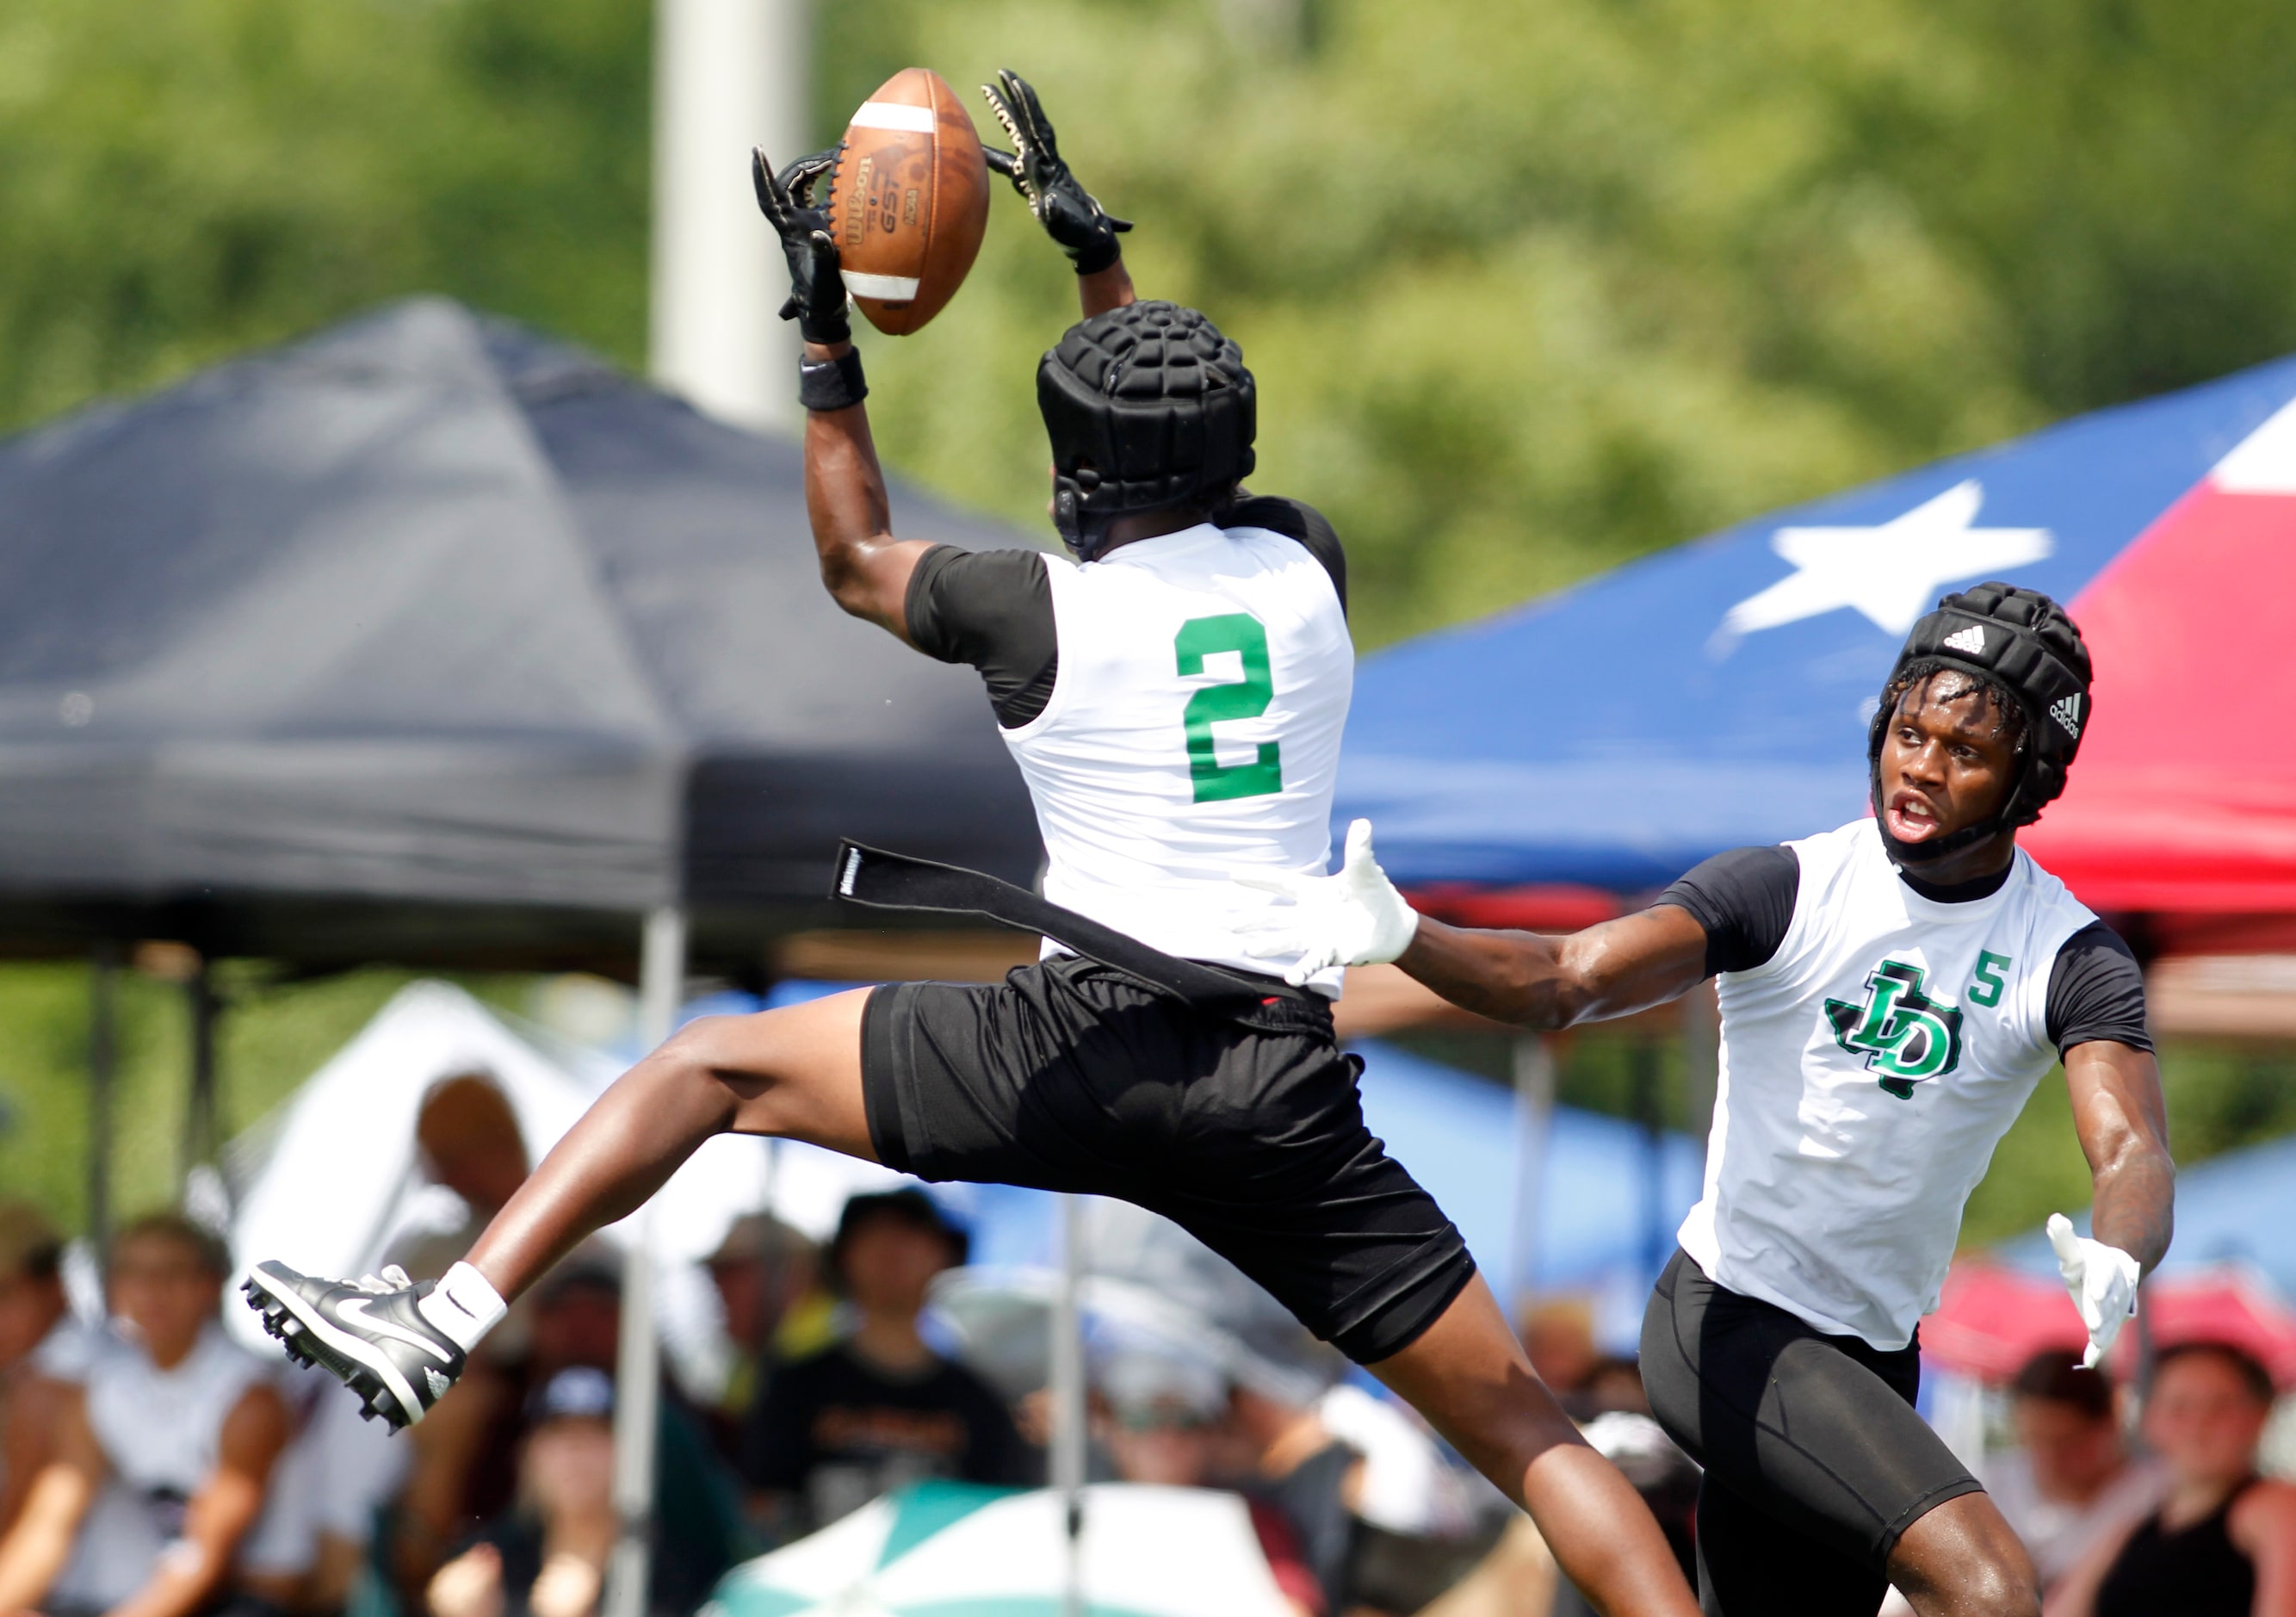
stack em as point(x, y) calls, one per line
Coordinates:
point(2021, 644)
point(1148, 406)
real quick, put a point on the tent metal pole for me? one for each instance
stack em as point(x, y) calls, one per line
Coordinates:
point(729, 74)
point(103, 1070)
point(638, 1390)
point(1650, 1112)
point(200, 1126)
point(1534, 1115)
point(1068, 1396)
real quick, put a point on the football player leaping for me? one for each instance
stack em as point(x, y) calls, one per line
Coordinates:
point(1892, 992)
point(1173, 698)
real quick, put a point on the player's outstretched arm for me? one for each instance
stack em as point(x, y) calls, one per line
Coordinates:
point(2123, 1126)
point(862, 565)
point(1070, 215)
point(1356, 917)
point(1534, 981)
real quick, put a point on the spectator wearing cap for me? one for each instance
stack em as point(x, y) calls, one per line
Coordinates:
point(2222, 1542)
point(1165, 1416)
point(878, 1408)
point(2070, 1478)
point(469, 1464)
point(767, 1277)
point(546, 1556)
point(163, 1457)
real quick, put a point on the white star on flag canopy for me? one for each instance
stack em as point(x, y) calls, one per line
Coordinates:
point(1894, 573)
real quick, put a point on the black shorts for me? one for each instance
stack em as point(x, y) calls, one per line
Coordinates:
point(1814, 1459)
point(1249, 1133)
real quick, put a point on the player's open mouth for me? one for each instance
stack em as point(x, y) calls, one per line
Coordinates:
point(1911, 818)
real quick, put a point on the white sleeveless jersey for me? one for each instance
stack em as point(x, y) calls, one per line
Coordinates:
point(1193, 733)
point(1868, 1071)
point(160, 1432)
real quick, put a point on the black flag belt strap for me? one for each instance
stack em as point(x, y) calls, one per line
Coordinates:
point(894, 881)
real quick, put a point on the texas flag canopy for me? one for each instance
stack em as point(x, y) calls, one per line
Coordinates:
point(1719, 694)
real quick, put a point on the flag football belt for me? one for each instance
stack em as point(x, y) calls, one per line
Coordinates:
point(894, 881)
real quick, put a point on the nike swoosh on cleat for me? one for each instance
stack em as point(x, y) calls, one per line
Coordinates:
point(355, 1308)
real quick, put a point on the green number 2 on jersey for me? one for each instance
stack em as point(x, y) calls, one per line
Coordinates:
point(1247, 698)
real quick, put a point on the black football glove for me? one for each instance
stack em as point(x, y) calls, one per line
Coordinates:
point(816, 300)
point(1086, 231)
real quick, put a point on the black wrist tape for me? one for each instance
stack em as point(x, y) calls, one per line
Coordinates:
point(831, 384)
point(1097, 254)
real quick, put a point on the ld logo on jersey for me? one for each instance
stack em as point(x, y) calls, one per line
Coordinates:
point(1901, 1033)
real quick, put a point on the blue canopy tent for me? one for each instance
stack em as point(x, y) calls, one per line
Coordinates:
point(2238, 1207)
point(1718, 694)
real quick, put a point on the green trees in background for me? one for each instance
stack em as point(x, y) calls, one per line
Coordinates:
point(1530, 288)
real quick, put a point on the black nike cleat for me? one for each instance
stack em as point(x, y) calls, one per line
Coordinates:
point(370, 1335)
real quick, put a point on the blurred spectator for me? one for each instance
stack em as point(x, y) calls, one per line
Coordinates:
point(1558, 1333)
point(1613, 1386)
point(339, 1470)
point(768, 1277)
point(163, 1458)
point(469, 1450)
point(2223, 1541)
point(467, 1140)
point(547, 1554)
point(1164, 1412)
point(41, 1346)
point(2070, 1480)
point(1305, 1472)
point(879, 1408)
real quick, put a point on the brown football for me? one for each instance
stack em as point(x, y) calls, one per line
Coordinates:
point(911, 200)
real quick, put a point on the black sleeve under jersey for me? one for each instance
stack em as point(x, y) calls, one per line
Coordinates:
point(1744, 898)
point(1294, 520)
point(2096, 990)
point(994, 610)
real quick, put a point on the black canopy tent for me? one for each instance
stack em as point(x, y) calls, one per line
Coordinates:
point(431, 641)
point(432, 611)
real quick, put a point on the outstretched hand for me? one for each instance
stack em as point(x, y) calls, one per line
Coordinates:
point(816, 300)
point(2102, 1281)
point(1356, 917)
point(1086, 231)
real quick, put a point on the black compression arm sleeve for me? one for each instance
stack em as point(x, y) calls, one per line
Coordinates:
point(1744, 898)
point(2096, 990)
point(1294, 520)
point(994, 610)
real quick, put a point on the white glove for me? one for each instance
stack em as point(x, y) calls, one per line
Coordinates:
point(2103, 1280)
point(1353, 918)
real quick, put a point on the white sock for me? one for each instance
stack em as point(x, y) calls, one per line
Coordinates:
point(465, 1306)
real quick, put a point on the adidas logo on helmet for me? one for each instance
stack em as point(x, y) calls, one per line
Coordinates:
point(1971, 640)
point(2066, 711)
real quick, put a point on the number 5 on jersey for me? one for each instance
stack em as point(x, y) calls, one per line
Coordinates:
point(1247, 698)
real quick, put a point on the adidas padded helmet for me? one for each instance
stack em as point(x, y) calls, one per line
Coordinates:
point(2022, 642)
point(1148, 406)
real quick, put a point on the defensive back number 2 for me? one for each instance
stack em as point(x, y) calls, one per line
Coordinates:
point(1247, 698)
